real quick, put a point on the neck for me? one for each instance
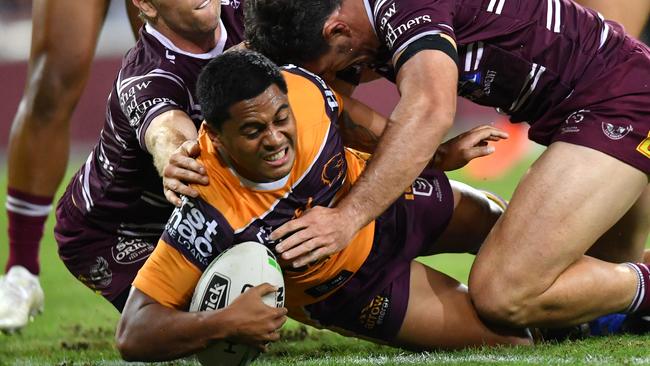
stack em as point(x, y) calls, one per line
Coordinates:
point(190, 42)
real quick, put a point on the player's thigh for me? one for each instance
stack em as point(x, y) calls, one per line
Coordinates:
point(440, 314)
point(625, 241)
point(566, 201)
point(64, 37)
point(473, 218)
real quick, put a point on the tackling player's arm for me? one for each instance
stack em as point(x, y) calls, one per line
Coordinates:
point(149, 331)
point(414, 131)
point(172, 135)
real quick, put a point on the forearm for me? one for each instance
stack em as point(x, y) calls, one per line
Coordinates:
point(400, 157)
point(414, 131)
point(361, 126)
point(166, 133)
point(157, 333)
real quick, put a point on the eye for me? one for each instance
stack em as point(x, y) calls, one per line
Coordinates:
point(252, 133)
point(281, 121)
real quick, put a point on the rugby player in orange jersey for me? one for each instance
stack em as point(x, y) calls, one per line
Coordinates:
point(270, 156)
point(64, 37)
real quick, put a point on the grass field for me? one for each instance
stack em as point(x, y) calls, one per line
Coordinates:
point(77, 327)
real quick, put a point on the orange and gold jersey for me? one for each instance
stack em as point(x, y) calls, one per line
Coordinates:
point(232, 210)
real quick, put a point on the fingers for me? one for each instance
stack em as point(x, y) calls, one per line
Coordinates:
point(284, 230)
point(312, 256)
point(264, 289)
point(173, 198)
point(478, 151)
point(191, 147)
point(185, 169)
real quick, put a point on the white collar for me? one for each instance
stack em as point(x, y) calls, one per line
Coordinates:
point(216, 51)
point(268, 186)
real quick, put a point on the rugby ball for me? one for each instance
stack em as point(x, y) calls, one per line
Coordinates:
point(234, 271)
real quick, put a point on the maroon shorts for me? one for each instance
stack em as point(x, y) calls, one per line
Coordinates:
point(102, 259)
point(609, 112)
point(373, 302)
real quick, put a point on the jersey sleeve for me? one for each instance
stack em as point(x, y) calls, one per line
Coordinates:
point(194, 236)
point(143, 98)
point(168, 277)
point(401, 24)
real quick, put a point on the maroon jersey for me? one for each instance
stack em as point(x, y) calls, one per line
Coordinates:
point(118, 188)
point(520, 56)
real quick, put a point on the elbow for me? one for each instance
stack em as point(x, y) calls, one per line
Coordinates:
point(126, 344)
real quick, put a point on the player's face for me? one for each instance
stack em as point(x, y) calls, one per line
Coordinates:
point(259, 136)
point(189, 17)
point(342, 53)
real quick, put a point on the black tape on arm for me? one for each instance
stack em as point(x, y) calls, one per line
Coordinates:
point(430, 42)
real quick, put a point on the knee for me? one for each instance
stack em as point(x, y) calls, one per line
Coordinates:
point(499, 302)
point(55, 85)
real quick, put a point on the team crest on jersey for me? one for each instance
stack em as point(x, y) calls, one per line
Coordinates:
point(99, 275)
point(333, 169)
point(616, 132)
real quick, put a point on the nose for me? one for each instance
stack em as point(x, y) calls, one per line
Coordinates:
point(273, 138)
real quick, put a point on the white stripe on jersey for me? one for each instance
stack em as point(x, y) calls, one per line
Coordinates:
point(534, 74)
point(553, 15)
point(371, 18)
point(378, 5)
point(499, 7)
point(479, 55)
point(468, 57)
point(85, 189)
point(27, 208)
point(109, 119)
point(549, 14)
point(558, 13)
point(604, 33)
point(138, 131)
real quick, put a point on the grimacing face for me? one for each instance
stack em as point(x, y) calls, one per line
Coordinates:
point(189, 16)
point(259, 137)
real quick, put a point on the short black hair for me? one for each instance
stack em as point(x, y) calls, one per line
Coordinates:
point(288, 31)
point(232, 77)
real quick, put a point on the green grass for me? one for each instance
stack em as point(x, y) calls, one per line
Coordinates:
point(77, 327)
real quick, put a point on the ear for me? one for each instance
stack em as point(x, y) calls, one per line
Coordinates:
point(213, 135)
point(146, 8)
point(335, 29)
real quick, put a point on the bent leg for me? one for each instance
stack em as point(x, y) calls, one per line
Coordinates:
point(473, 217)
point(625, 241)
point(440, 315)
point(531, 271)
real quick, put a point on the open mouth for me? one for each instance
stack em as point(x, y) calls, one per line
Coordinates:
point(203, 4)
point(277, 158)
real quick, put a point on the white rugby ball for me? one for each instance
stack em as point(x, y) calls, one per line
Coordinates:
point(234, 271)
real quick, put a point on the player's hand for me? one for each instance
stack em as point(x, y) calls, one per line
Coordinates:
point(460, 150)
point(318, 233)
point(181, 170)
point(252, 322)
